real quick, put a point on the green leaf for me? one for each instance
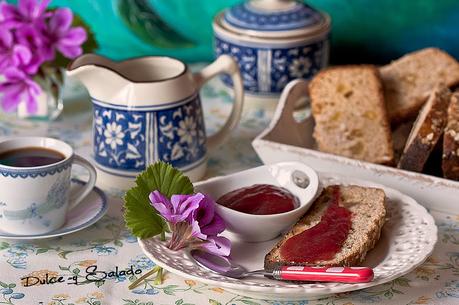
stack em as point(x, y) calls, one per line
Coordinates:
point(41, 250)
point(118, 243)
point(4, 245)
point(63, 254)
point(141, 218)
point(148, 26)
point(249, 302)
point(214, 302)
point(4, 285)
point(11, 285)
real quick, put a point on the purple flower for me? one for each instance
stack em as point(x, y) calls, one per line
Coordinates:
point(18, 87)
point(208, 221)
point(27, 11)
point(62, 36)
point(217, 245)
point(178, 208)
point(193, 221)
point(12, 54)
point(30, 37)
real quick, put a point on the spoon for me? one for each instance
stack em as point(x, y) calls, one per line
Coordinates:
point(225, 267)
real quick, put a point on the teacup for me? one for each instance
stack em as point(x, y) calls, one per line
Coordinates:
point(36, 199)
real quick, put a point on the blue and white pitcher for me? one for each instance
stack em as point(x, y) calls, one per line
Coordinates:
point(148, 109)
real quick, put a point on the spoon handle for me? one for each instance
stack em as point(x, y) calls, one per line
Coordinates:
point(324, 274)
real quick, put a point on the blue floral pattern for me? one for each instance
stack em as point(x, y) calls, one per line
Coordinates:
point(266, 70)
point(128, 140)
point(119, 138)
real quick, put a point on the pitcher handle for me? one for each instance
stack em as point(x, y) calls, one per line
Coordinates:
point(224, 64)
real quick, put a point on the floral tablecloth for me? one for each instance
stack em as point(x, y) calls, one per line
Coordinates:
point(109, 246)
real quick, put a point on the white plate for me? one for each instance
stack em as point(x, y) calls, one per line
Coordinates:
point(407, 239)
point(90, 210)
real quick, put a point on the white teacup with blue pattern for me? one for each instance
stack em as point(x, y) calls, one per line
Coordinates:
point(35, 200)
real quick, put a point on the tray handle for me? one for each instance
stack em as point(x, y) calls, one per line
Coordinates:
point(284, 128)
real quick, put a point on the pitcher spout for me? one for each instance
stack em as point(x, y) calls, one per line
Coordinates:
point(98, 74)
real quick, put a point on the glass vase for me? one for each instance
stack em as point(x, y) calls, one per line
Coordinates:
point(50, 101)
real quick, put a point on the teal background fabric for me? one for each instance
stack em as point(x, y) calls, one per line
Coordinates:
point(364, 31)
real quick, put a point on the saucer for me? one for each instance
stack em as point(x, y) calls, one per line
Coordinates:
point(90, 210)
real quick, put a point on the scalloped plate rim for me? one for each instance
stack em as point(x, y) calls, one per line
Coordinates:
point(299, 292)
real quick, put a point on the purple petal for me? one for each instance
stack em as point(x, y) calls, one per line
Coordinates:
point(21, 55)
point(161, 204)
point(196, 230)
point(70, 51)
point(205, 213)
point(14, 74)
point(8, 11)
point(217, 245)
point(61, 20)
point(215, 227)
point(32, 9)
point(34, 64)
point(73, 37)
point(6, 38)
point(184, 205)
point(31, 101)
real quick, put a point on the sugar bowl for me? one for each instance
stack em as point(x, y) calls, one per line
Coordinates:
point(274, 42)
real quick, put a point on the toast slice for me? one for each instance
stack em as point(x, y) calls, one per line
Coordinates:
point(426, 131)
point(450, 157)
point(408, 80)
point(368, 212)
point(349, 112)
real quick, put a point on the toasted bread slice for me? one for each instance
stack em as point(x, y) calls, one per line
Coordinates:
point(450, 160)
point(367, 206)
point(350, 115)
point(426, 131)
point(408, 80)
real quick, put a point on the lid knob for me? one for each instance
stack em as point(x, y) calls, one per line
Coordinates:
point(272, 5)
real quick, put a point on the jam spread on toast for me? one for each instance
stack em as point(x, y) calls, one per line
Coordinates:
point(322, 241)
point(260, 199)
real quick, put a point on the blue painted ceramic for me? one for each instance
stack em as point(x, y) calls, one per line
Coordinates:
point(274, 42)
point(148, 109)
point(128, 139)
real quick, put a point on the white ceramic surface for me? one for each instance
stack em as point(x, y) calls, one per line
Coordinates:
point(286, 139)
point(91, 209)
point(256, 228)
point(35, 200)
point(146, 102)
point(407, 239)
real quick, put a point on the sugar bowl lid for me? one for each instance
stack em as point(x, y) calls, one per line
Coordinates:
point(274, 18)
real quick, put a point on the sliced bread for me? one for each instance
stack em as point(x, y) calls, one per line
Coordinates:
point(408, 80)
point(450, 160)
point(349, 112)
point(368, 212)
point(426, 131)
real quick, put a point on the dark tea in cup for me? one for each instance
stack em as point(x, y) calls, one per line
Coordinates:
point(30, 157)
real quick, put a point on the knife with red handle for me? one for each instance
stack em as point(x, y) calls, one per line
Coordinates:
point(324, 274)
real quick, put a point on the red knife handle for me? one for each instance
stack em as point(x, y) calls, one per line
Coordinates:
point(324, 274)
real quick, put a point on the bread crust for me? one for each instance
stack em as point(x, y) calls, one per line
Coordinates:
point(408, 74)
point(426, 131)
point(355, 255)
point(450, 157)
point(388, 157)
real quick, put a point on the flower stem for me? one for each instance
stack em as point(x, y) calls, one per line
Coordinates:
point(145, 276)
